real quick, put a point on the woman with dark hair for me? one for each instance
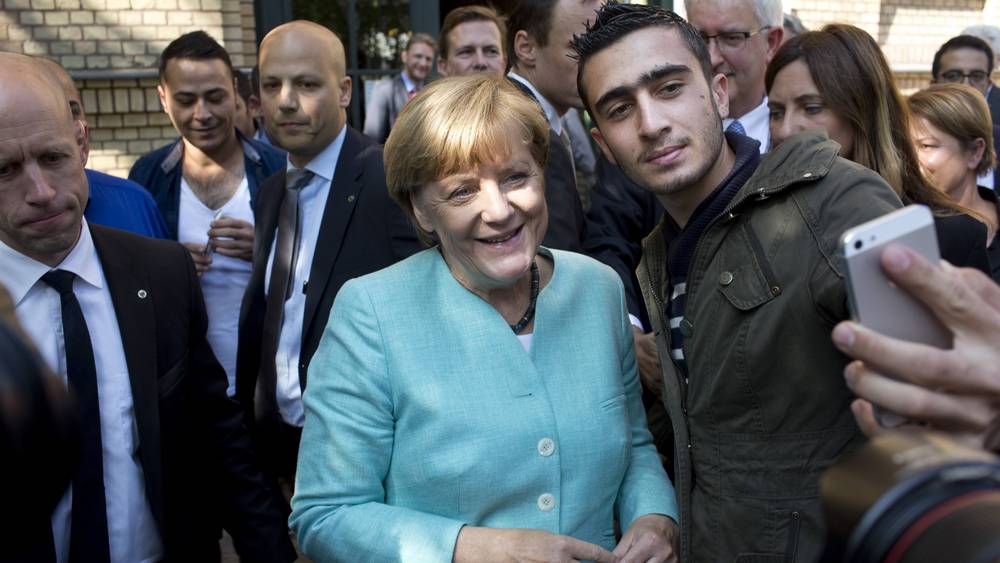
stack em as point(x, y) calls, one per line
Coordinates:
point(953, 136)
point(838, 80)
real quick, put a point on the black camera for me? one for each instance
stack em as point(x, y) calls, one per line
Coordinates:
point(913, 496)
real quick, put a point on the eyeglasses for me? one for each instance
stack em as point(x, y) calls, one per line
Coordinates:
point(732, 40)
point(975, 77)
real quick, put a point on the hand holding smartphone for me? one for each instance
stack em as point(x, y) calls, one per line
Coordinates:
point(874, 300)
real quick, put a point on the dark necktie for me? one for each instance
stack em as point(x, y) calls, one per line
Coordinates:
point(89, 519)
point(285, 254)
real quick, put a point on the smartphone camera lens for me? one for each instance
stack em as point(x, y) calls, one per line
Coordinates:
point(858, 244)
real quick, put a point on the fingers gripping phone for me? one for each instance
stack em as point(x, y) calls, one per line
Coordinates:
point(874, 300)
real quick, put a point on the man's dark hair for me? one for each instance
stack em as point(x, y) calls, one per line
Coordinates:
point(243, 87)
point(614, 21)
point(962, 42)
point(532, 16)
point(465, 14)
point(198, 46)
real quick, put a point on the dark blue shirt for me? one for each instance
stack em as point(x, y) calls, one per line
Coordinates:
point(123, 204)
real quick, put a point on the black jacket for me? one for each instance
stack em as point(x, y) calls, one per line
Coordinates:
point(196, 455)
point(362, 231)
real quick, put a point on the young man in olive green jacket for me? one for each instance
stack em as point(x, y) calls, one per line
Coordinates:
point(743, 280)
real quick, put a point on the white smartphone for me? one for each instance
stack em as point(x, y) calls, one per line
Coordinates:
point(874, 300)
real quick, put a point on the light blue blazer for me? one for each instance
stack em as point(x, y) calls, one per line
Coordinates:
point(425, 413)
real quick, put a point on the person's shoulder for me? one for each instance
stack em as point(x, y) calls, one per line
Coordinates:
point(398, 284)
point(403, 273)
point(141, 252)
point(156, 163)
point(155, 156)
point(100, 179)
point(357, 141)
point(383, 88)
point(575, 266)
point(365, 149)
point(272, 157)
point(960, 227)
point(811, 159)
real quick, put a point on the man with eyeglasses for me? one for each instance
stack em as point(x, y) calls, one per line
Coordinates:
point(969, 60)
point(742, 36)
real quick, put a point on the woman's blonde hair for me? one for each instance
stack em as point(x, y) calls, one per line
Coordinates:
point(454, 125)
point(960, 111)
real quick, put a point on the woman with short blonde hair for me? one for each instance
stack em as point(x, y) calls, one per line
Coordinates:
point(953, 136)
point(478, 401)
point(438, 139)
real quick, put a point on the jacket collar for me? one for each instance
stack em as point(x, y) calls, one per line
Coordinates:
point(806, 157)
point(176, 153)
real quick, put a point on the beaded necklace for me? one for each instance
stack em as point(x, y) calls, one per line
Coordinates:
point(530, 313)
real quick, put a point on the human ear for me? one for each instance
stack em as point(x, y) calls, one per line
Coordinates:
point(599, 139)
point(524, 48)
point(720, 93)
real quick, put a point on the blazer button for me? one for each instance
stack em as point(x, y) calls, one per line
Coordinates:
point(546, 447)
point(726, 278)
point(546, 502)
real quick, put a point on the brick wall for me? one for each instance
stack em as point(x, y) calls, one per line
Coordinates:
point(94, 39)
point(909, 31)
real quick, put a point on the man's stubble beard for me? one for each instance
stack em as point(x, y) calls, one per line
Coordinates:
point(711, 138)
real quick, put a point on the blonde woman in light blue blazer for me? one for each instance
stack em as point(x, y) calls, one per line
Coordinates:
point(478, 401)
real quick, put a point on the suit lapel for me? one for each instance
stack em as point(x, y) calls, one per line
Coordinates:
point(266, 224)
point(133, 302)
point(400, 94)
point(344, 190)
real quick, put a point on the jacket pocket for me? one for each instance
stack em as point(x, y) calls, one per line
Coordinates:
point(784, 533)
point(166, 383)
point(745, 276)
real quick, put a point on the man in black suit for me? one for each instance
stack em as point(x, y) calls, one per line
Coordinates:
point(325, 220)
point(163, 455)
point(538, 37)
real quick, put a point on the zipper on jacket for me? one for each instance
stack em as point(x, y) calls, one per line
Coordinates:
point(681, 384)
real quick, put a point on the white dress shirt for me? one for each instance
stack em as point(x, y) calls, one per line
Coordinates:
point(756, 123)
point(408, 82)
point(312, 204)
point(132, 531)
point(551, 115)
point(224, 282)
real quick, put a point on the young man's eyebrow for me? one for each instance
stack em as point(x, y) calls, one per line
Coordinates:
point(644, 80)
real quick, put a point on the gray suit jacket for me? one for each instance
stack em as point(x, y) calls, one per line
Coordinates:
point(993, 100)
point(388, 98)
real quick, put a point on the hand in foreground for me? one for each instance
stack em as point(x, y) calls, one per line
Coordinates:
point(523, 545)
point(648, 360)
point(202, 261)
point(650, 538)
point(957, 390)
point(232, 237)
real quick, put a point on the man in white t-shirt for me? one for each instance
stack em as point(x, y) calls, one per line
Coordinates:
point(205, 183)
